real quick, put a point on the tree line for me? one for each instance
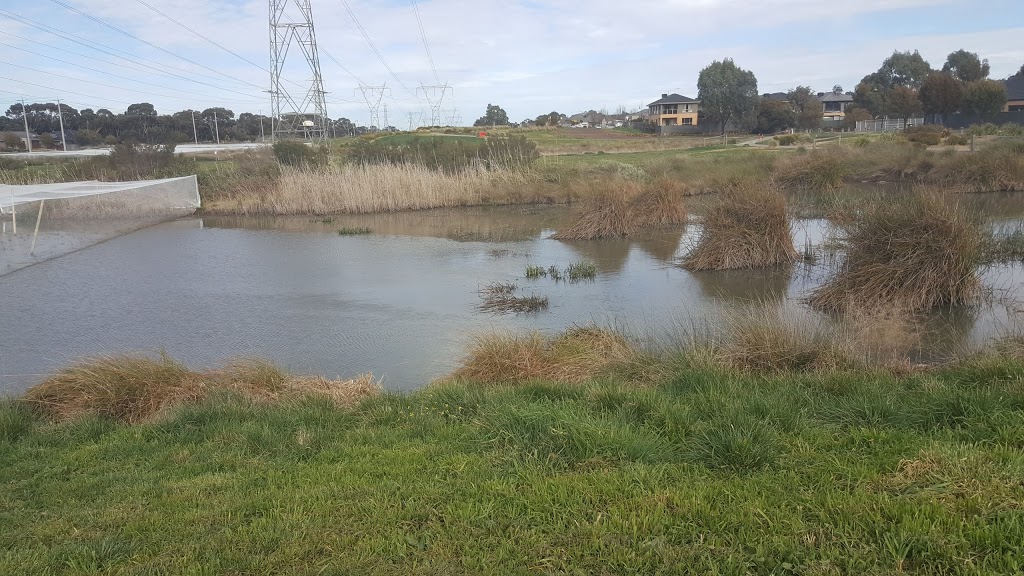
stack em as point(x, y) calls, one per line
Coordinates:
point(141, 123)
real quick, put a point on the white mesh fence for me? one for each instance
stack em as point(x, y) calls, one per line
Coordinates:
point(43, 221)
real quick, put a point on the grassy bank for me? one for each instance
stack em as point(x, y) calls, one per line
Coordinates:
point(625, 465)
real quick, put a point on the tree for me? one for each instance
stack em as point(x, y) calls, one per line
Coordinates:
point(837, 89)
point(908, 69)
point(855, 114)
point(904, 102)
point(985, 98)
point(808, 108)
point(87, 137)
point(46, 140)
point(495, 116)
point(13, 141)
point(942, 94)
point(142, 109)
point(727, 92)
point(775, 116)
point(549, 119)
point(966, 66)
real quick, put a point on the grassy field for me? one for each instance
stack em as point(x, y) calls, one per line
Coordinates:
point(664, 466)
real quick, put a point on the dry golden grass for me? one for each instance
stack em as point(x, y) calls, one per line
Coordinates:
point(618, 208)
point(576, 355)
point(914, 254)
point(133, 389)
point(767, 338)
point(821, 171)
point(748, 228)
point(363, 189)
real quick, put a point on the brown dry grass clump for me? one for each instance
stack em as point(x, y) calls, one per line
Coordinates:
point(576, 355)
point(822, 171)
point(913, 254)
point(134, 389)
point(748, 228)
point(618, 208)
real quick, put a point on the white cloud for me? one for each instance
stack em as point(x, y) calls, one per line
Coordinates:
point(529, 56)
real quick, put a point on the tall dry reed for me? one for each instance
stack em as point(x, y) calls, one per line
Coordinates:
point(748, 228)
point(917, 253)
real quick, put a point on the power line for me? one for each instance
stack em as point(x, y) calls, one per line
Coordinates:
point(65, 91)
point(342, 66)
point(86, 81)
point(79, 66)
point(372, 47)
point(158, 67)
point(148, 43)
point(426, 45)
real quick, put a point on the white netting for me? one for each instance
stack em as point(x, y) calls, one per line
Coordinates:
point(43, 221)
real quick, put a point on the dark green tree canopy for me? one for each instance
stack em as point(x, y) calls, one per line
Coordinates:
point(985, 98)
point(495, 116)
point(807, 107)
point(907, 69)
point(775, 116)
point(727, 92)
point(904, 102)
point(142, 109)
point(966, 66)
point(942, 94)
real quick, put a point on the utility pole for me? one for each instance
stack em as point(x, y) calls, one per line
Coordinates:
point(63, 139)
point(195, 133)
point(216, 128)
point(24, 116)
point(263, 138)
point(282, 34)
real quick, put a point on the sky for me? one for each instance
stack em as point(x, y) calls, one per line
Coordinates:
point(528, 56)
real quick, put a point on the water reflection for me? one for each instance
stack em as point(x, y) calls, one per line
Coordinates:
point(767, 285)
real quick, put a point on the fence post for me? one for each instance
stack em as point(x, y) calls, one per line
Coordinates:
point(972, 143)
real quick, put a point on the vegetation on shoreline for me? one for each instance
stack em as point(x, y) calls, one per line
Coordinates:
point(575, 453)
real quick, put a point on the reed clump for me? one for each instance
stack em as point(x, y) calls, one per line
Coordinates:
point(748, 228)
point(574, 356)
point(134, 389)
point(915, 254)
point(620, 208)
point(820, 171)
point(501, 298)
point(605, 212)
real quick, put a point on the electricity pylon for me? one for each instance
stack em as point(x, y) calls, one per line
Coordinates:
point(435, 96)
point(291, 117)
point(374, 96)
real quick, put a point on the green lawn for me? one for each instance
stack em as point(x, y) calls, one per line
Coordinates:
point(706, 473)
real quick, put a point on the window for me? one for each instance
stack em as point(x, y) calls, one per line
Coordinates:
point(686, 108)
point(670, 122)
point(1016, 108)
point(833, 106)
point(670, 109)
point(687, 121)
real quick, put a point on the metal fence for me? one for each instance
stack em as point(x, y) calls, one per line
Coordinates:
point(888, 125)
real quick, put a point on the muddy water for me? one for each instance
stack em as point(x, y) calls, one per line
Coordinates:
point(401, 303)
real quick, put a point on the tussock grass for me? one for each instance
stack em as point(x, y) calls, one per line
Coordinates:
point(748, 228)
point(571, 357)
point(916, 254)
point(534, 272)
point(501, 298)
point(580, 271)
point(133, 389)
point(618, 208)
point(820, 171)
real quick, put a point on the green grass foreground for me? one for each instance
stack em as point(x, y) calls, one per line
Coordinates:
point(707, 472)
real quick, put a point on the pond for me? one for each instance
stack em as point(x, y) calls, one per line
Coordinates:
point(402, 302)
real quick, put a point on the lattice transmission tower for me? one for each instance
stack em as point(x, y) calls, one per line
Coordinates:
point(292, 117)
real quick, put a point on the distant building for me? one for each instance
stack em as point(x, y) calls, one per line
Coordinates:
point(833, 106)
point(674, 110)
point(1014, 93)
point(777, 96)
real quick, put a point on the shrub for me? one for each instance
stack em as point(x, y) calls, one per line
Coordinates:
point(748, 228)
point(957, 140)
point(788, 139)
point(13, 142)
point(297, 153)
point(88, 137)
point(110, 140)
point(133, 389)
point(822, 171)
point(913, 254)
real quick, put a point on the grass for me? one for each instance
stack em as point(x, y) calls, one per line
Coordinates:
point(917, 254)
point(621, 206)
point(357, 231)
point(501, 298)
point(748, 228)
point(553, 463)
point(580, 271)
point(534, 272)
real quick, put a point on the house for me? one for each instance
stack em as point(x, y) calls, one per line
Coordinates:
point(1014, 93)
point(833, 106)
point(674, 110)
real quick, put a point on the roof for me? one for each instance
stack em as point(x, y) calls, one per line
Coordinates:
point(1014, 87)
point(833, 97)
point(673, 99)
